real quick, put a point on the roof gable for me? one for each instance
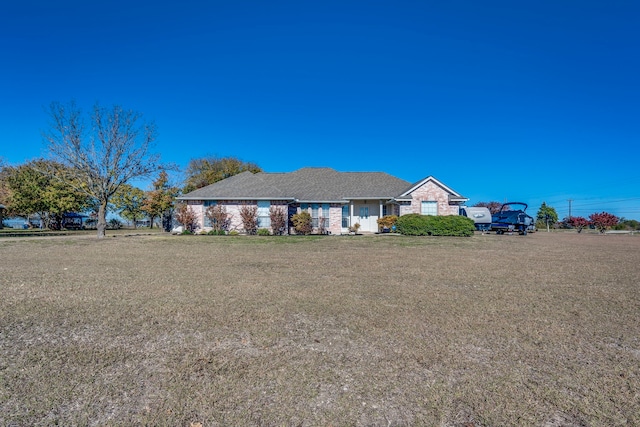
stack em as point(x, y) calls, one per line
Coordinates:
point(430, 178)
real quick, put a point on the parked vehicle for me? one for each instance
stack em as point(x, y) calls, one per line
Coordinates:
point(73, 221)
point(481, 216)
point(512, 217)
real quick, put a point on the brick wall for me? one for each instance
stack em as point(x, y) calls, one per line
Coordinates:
point(233, 211)
point(197, 206)
point(430, 192)
point(335, 218)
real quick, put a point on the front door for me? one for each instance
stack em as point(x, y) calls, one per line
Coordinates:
point(366, 215)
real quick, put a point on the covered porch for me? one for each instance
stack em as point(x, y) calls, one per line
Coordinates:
point(366, 212)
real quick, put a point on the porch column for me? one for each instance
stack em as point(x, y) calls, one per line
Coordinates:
point(351, 214)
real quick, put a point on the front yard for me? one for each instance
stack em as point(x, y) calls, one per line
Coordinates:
point(374, 330)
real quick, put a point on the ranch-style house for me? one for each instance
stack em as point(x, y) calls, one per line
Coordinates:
point(335, 200)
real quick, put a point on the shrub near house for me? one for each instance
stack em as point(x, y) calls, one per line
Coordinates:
point(412, 225)
point(302, 223)
point(429, 225)
point(386, 223)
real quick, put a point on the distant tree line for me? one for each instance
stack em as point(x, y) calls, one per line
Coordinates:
point(93, 160)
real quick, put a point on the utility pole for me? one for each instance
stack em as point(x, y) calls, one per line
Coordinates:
point(570, 200)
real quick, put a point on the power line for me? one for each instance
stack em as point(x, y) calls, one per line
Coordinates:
point(604, 201)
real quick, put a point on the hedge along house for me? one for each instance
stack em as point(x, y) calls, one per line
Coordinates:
point(335, 200)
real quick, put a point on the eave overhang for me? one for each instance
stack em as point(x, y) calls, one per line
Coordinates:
point(237, 198)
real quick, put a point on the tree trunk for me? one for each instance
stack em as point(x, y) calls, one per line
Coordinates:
point(102, 220)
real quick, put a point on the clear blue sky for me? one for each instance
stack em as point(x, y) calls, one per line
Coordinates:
point(525, 101)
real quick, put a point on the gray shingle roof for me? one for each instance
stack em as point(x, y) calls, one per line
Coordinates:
point(306, 184)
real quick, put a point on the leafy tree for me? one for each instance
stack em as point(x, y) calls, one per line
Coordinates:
point(115, 149)
point(249, 217)
point(129, 201)
point(187, 217)
point(546, 215)
point(25, 186)
point(630, 224)
point(302, 223)
point(159, 200)
point(33, 191)
point(578, 222)
point(603, 220)
point(206, 171)
point(494, 207)
point(278, 217)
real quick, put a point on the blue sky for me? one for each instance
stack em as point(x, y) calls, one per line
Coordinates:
point(500, 100)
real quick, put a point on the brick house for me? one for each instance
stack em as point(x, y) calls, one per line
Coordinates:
point(335, 200)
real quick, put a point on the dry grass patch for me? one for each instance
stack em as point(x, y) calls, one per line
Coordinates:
point(492, 330)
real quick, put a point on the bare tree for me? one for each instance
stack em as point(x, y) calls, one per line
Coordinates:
point(115, 150)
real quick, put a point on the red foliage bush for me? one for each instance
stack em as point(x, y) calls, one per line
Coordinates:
point(249, 216)
point(578, 223)
point(278, 217)
point(187, 217)
point(603, 220)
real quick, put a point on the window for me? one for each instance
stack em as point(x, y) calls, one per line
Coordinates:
point(364, 212)
point(429, 208)
point(264, 220)
point(207, 204)
point(345, 216)
point(384, 210)
point(314, 215)
point(325, 214)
